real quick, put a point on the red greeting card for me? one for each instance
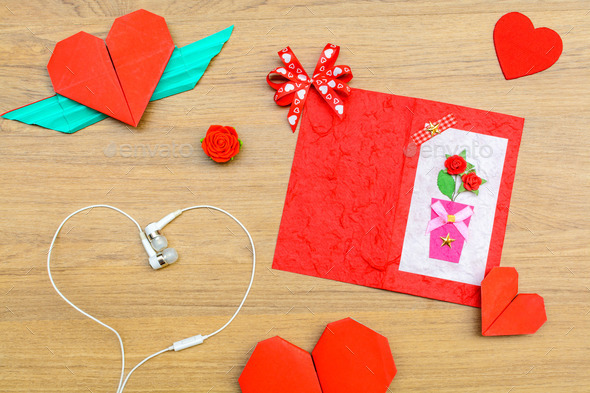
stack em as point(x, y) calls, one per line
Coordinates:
point(362, 192)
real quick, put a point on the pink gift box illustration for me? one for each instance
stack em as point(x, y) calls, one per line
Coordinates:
point(449, 220)
point(449, 229)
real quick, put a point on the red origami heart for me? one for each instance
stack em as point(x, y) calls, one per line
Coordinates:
point(523, 50)
point(277, 366)
point(503, 312)
point(349, 357)
point(118, 81)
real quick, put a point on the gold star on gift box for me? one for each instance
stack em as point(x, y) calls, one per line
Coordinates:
point(447, 240)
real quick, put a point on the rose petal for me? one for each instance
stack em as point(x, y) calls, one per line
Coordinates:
point(214, 128)
point(232, 131)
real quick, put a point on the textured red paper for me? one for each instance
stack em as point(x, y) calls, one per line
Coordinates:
point(503, 312)
point(351, 185)
point(523, 50)
point(350, 357)
point(277, 366)
point(120, 81)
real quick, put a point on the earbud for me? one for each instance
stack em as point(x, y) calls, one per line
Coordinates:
point(155, 243)
point(152, 231)
point(161, 259)
point(165, 258)
point(157, 240)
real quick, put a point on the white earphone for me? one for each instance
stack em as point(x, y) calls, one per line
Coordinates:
point(159, 256)
point(155, 243)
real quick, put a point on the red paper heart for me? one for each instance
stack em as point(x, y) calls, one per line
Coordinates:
point(277, 366)
point(350, 357)
point(503, 312)
point(523, 50)
point(139, 45)
point(81, 69)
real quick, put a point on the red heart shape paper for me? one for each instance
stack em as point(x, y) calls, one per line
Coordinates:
point(523, 50)
point(118, 81)
point(349, 357)
point(277, 366)
point(504, 311)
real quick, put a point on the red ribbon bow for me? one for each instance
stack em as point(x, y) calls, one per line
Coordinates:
point(328, 79)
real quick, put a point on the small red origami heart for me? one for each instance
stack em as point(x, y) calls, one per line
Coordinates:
point(523, 50)
point(504, 311)
point(277, 366)
point(118, 81)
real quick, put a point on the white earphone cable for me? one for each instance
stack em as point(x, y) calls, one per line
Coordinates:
point(72, 304)
point(253, 262)
point(153, 355)
point(123, 380)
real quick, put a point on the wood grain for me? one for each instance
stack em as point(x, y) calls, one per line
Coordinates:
point(436, 50)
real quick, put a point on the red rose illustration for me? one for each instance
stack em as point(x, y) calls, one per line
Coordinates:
point(471, 181)
point(221, 143)
point(455, 165)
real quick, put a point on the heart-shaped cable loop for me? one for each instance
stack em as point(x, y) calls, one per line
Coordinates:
point(178, 345)
point(294, 83)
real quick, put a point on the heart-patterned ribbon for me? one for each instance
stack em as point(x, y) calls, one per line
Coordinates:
point(445, 218)
point(329, 80)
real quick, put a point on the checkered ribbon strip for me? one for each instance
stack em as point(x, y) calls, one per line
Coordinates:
point(432, 129)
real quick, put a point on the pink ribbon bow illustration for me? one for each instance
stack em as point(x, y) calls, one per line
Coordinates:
point(444, 218)
point(329, 80)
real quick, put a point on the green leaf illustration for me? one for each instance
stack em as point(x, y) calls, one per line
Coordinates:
point(476, 192)
point(463, 153)
point(447, 155)
point(461, 188)
point(470, 167)
point(483, 181)
point(445, 183)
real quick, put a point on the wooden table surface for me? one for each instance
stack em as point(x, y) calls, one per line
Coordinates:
point(436, 50)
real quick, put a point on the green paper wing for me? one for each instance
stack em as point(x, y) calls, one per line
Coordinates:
point(187, 64)
point(184, 69)
point(56, 113)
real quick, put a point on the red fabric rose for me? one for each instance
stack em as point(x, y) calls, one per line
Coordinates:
point(221, 143)
point(471, 181)
point(455, 165)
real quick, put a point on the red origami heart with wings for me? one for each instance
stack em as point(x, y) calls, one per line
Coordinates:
point(119, 78)
point(349, 357)
point(523, 50)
